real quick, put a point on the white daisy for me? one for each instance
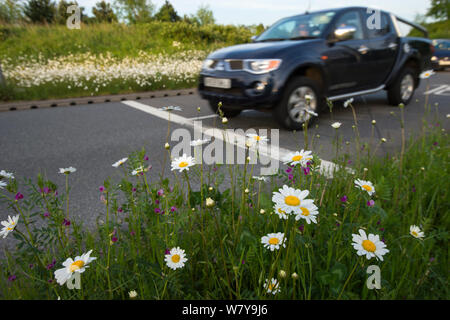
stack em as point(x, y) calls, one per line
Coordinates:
point(176, 258)
point(370, 246)
point(273, 241)
point(272, 286)
point(426, 74)
point(67, 170)
point(199, 142)
point(260, 178)
point(139, 170)
point(297, 157)
point(289, 199)
point(308, 212)
point(120, 162)
point(256, 138)
point(79, 264)
point(365, 185)
point(132, 294)
point(2, 184)
point(280, 212)
point(347, 103)
point(416, 232)
point(9, 225)
point(6, 175)
point(336, 125)
point(183, 163)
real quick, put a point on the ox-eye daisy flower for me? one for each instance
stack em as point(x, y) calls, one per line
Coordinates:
point(297, 157)
point(199, 142)
point(6, 175)
point(79, 264)
point(426, 74)
point(176, 258)
point(9, 225)
point(260, 178)
point(336, 125)
point(308, 212)
point(365, 185)
point(256, 138)
point(280, 212)
point(370, 246)
point(120, 162)
point(272, 286)
point(183, 163)
point(348, 102)
point(2, 184)
point(140, 170)
point(67, 170)
point(289, 199)
point(416, 232)
point(273, 241)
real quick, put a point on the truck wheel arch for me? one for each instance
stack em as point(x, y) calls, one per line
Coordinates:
point(312, 71)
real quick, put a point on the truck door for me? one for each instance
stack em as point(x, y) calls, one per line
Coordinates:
point(348, 60)
point(384, 46)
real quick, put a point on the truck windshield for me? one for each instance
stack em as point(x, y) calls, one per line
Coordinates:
point(305, 26)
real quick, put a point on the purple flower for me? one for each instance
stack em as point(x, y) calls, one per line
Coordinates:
point(46, 190)
point(167, 251)
point(134, 189)
point(114, 239)
point(306, 170)
point(160, 192)
point(56, 193)
point(101, 188)
point(240, 218)
point(173, 209)
point(289, 170)
point(50, 266)
point(344, 199)
point(156, 201)
point(378, 222)
point(146, 158)
point(435, 144)
point(18, 196)
point(12, 277)
point(50, 280)
point(66, 222)
point(301, 228)
point(46, 214)
point(31, 266)
point(349, 162)
point(370, 203)
point(120, 209)
point(214, 169)
point(132, 233)
point(432, 259)
point(162, 212)
point(338, 224)
point(291, 177)
point(382, 230)
point(157, 210)
point(413, 188)
point(309, 163)
point(243, 261)
point(171, 189)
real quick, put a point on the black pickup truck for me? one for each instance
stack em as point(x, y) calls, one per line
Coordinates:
point(299, 62)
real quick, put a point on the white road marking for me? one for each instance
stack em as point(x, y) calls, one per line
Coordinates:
point(438, 89)
point(204, 117)
point(327, 168)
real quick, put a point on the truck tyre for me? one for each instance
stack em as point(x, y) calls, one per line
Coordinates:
point(402, 90)
point(294, 109)
point(227, 112)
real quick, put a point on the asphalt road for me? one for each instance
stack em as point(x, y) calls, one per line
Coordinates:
point(92, 137)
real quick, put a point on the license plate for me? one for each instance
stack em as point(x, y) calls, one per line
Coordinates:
point(217, 83)
point(444, 63)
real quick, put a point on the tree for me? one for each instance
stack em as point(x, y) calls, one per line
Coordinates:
point(134, 11)
point(40, 11)
point(167, 13)
point(10, 11)
point(440, 9)
point(103, 12)
point(205, 15)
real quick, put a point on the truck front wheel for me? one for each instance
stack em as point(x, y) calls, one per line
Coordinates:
point(300, 104)
point(402, 90)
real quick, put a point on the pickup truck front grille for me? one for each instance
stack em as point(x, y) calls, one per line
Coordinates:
point(236, 64)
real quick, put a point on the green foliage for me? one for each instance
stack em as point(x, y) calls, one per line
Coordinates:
point(134, 11)
point(103, 12)
point(440, 9)
point(10, 11)
point(205, 15)
point(436, 30)
point(167, 13)
point(40, 11)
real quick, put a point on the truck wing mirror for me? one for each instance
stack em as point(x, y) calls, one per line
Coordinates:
point(344, 33)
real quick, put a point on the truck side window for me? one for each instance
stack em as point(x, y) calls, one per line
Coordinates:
point(383, 29)
point(351, 19)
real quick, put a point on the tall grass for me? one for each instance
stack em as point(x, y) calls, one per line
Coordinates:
point(143, 220)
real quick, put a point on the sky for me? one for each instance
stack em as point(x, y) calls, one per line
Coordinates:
point(249, 12)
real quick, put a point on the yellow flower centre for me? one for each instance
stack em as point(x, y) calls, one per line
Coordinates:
point(281, 211)
point(414, 233)
point(76, 265)
point(369, 246)
point(176, 258)
point(292, 201)
point(367, 187)
point(305, 212)
point(183, 164)
point(257, 138)
point(273, 241)
point(297, 158)
point(271, 286)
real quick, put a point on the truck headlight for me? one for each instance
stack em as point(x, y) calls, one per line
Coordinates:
point(262, 65)
point(207, 64)
point(434, 58)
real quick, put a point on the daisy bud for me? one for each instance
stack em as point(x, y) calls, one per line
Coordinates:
point(401, 105)
point(374, 122)
point(167, 146)
point(282, 274)
point(423, 169)
point(347, 142)
point(318, 136)
point(365, 169)
point(248, 159)
point(198, 109)
point(383, 140)
point(335, 214)
point(262, 211)
point(210, 188)
point(448, 115)
point(246, 191)
point(294, 276)
point(133, 294)
point(193, 209)
point(210, 202)
point(248, 144)
point(224, 120)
